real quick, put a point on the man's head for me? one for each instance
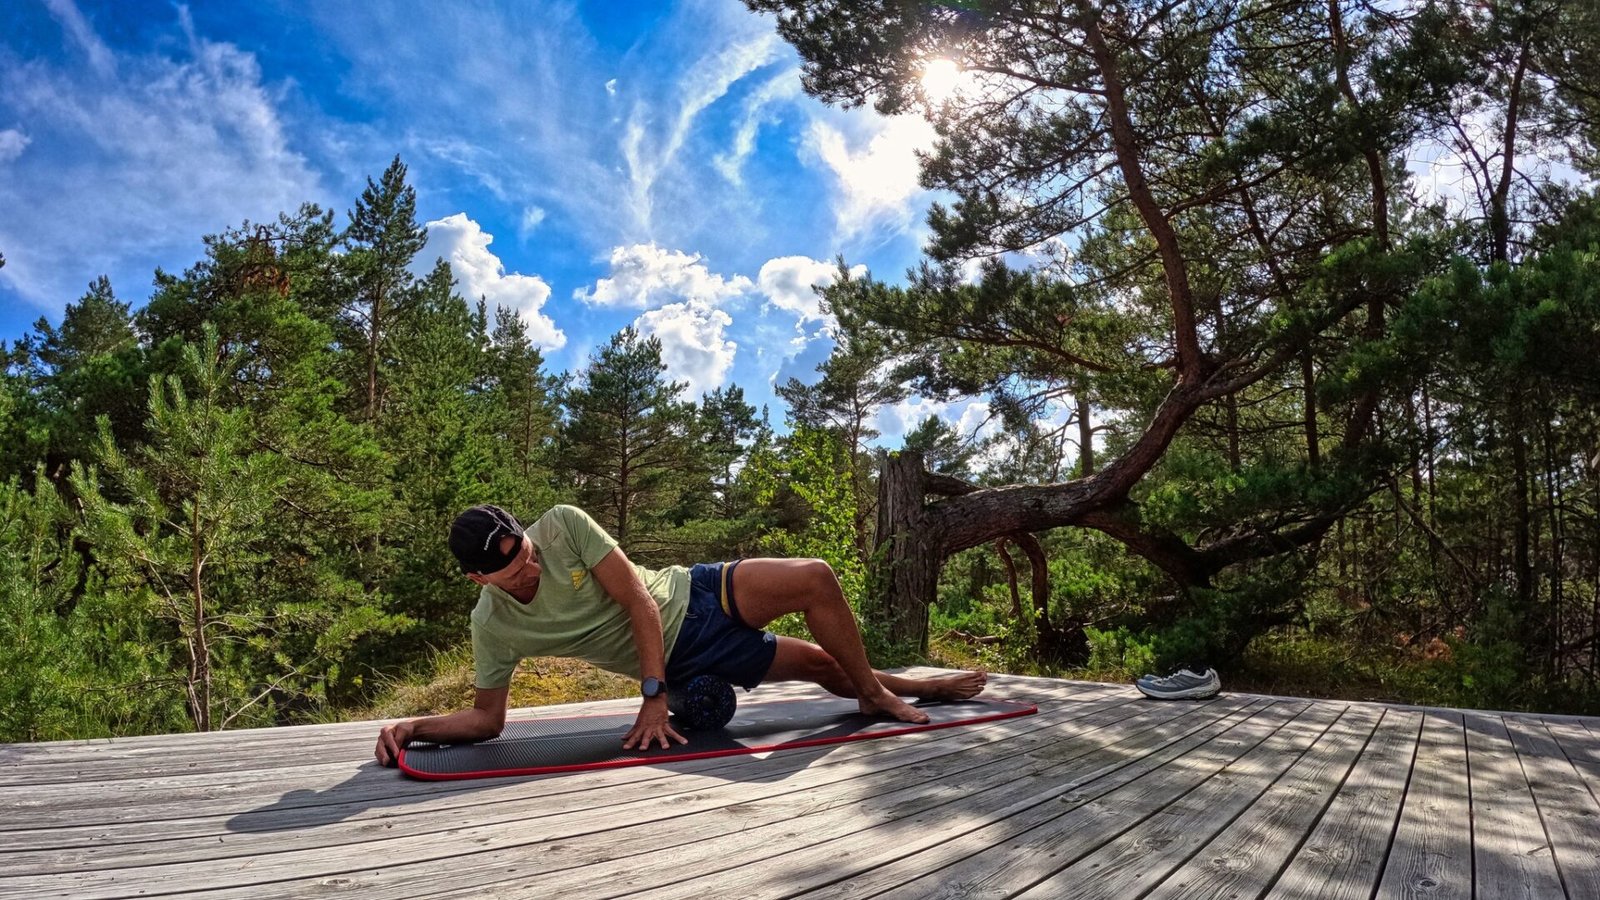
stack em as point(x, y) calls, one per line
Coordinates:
point(485, 539)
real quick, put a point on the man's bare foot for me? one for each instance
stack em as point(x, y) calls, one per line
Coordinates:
point(959, 686)
point(890, 706)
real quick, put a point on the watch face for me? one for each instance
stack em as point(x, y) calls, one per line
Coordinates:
point(652, 687)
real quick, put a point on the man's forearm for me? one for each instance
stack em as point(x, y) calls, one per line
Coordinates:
point(645, 618)
point(463, 726)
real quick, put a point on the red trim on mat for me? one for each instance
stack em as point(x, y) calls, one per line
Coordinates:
point(1023, 709)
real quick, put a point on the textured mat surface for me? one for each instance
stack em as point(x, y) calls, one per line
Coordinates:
point(547, 746)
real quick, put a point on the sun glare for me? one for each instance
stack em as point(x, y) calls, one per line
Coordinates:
point(941, 79)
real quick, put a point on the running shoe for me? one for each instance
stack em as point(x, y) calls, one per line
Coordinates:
point(1182, 685)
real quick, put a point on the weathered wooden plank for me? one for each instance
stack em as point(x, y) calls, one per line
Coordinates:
point(128, 802)
point(506, 800)
point(1581, 750)
point(1246, 857)
point(1571, 817)
point(851, 821)
point(189, 796)
point(1512, 856)
point(1141, 857)
point(451, 837)
point(807, 836)
point(1344, 855)
point(124, 814)
point(647, 849)
point(227, 752)
point(1003, 859)
point(1432, 852)
point(109, 758)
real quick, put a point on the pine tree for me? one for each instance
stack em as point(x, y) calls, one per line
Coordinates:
point(627, 440)
point(92, 365)
point(182, 526)
point(381, 240)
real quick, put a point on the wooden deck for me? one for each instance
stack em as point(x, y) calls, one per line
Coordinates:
point(1102, 795)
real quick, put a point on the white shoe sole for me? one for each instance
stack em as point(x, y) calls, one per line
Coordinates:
point(1197, 693)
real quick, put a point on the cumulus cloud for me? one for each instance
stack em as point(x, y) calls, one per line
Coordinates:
point(694, 345)
point(165, 151)
point(12, 143)
point(876, 175)
point(479, 273)
point(895, 420)
point(645, 275)
point(789, 283)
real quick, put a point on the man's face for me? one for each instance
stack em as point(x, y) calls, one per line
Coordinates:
point(521, 574)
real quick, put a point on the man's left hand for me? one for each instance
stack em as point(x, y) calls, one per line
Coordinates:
point(651, 726)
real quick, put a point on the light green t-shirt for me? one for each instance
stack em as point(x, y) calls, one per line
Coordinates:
point(570, 614)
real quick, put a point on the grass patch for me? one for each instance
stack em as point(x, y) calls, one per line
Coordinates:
point(447, 686)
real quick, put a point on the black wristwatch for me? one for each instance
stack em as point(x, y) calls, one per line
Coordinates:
point(652, 687)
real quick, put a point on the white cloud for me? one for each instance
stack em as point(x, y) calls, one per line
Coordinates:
point(645, 275)
point(877, 175)
point(789, 281)
point(758, 110)
point(479, 272)
point(611, 87)
point(704, 84)
point(469, 158)
point(77, 27)
point(693, 343)
point(894, 421)
point(12, 143)
point(532, 216)
point(136, 168)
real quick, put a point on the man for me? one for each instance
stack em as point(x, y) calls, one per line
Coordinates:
point(564, 588)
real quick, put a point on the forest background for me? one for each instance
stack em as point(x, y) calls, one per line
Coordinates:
point(1326, 437)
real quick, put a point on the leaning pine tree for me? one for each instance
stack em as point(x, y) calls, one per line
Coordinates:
point(1213, 192)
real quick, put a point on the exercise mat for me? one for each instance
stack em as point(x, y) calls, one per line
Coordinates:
point(582, 743)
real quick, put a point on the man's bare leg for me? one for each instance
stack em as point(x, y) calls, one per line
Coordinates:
point(765, 589)
point(799, 660)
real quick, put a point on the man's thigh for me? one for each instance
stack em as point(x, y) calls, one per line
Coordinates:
point(765, 589)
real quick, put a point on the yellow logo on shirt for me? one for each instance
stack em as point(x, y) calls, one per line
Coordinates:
point(577, 578)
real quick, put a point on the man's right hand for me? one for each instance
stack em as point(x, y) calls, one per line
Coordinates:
point(391, 740)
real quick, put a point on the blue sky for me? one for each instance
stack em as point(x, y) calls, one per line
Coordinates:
point(590, 165)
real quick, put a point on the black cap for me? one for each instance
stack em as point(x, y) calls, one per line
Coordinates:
point(475, 539)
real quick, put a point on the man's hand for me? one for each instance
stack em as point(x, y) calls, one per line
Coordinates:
point(391, 740)
point(652, 726)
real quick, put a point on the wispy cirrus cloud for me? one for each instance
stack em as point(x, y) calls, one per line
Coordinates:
point(651, 147)
point(129, 160)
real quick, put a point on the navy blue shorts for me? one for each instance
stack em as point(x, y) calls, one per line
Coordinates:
point(713, 639)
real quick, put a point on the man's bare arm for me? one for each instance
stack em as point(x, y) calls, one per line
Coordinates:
point(484, 720)
point(620, 581)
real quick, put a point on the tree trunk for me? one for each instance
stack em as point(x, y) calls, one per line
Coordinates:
point(908, 573)
point(199, 647)
point(1308, 377)
point(374, 336)
point(1085, 437)
point(1011, 578)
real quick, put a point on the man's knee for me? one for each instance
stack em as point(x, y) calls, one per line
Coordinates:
point(819, 576)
